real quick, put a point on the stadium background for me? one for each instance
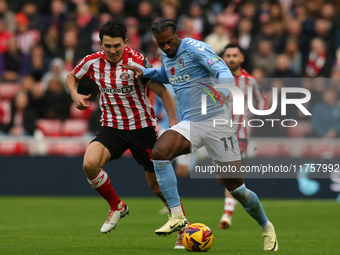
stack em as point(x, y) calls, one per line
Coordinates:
point(41, 41)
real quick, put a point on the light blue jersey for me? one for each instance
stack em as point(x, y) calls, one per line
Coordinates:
point(194, 63)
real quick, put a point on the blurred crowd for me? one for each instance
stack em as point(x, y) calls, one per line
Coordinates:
point(42, 40)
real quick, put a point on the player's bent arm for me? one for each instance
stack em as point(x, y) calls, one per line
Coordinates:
point(158, 75)
point(167, 99)
point(72, 83)
point(223, 77)
point(214, 66)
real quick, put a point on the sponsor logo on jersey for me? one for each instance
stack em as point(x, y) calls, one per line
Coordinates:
point(124, 76)
point(146, 63)
point(122, 90)
point(179, 78)
point(181, 63)
point(211, 62)
point(172, 70)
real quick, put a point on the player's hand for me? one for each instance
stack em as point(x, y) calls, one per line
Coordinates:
point(222, 96)
point(138, 71)
point(81, 102)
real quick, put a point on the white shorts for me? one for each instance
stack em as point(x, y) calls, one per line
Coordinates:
point(220, 141)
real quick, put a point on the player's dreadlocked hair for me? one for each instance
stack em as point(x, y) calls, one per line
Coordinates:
point(162, 25)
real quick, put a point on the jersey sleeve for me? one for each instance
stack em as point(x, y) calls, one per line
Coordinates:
point(146, 63)
point(203, 54)
point(82, 70)
point(207, 59)
point(158, 75)
point(258, 96)
point(142, 62)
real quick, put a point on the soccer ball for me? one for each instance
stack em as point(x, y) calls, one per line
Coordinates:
point(197, 237)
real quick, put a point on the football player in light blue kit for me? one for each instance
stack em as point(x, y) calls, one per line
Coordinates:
point(186, 62)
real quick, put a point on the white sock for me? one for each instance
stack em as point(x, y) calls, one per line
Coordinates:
point(229, 204)
point(176, 209)
point(267, 226)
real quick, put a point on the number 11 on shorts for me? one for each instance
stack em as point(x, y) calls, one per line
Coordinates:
point(225, 143)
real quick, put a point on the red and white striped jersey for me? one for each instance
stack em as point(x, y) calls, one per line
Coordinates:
point(243, 81)
point(123, 98)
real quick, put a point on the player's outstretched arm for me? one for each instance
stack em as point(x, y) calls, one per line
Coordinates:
point(158, 75)
point(168, 100)
point(79, 100)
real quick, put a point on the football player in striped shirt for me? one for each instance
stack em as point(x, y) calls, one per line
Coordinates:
point(127, 121)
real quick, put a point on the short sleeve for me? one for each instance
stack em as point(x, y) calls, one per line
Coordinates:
point(146, 63)
point(203, 53)
point(82, 70)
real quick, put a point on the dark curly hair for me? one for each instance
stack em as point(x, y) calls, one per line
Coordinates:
point(113, 28)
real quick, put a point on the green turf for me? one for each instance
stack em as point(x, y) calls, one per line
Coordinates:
point(70, 225)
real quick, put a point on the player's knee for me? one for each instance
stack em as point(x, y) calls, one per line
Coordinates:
point(159, 154)
point(233, 184)
point(87, 166)
point(90, 167)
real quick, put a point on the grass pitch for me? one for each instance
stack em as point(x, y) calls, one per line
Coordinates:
point(70, 225)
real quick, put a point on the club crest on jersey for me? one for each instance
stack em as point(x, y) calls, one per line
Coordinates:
point(102, 76)
point(124, 76)
point(172, 70)
point(181, 63)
